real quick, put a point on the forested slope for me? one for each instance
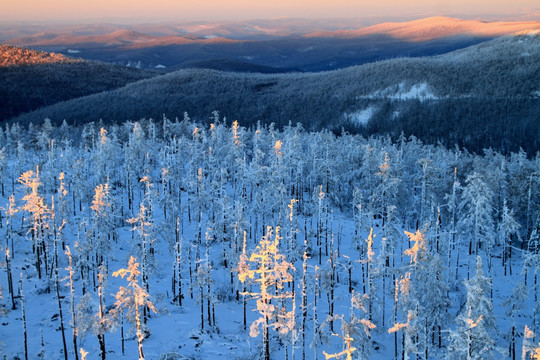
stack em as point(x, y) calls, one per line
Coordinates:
point(489, 90)
point(32, 79)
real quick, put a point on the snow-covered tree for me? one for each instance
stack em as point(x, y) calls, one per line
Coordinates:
point(508, 230)
point(130, 299)
point(472, 338)
point(39, 212)
point(271, 272)
point(515, 304)
point(477, 215)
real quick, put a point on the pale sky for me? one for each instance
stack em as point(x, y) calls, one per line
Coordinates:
point(135, 10)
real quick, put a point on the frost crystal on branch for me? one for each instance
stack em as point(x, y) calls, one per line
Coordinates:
point(271, 273)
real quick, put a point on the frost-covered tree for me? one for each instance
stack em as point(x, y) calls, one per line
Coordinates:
point(515, 304)
point(39, 213)
point(101, 324)
point(508, 229)
point(477, 215)
point(143, 227)
point(102, 223)
point(130, 299)
point(358, 327)
point(271, 272)
point(472, 338)
point(452, 206)
point(71, 284)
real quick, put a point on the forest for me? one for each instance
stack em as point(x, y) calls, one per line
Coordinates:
point(488, 90)
point(171, 239)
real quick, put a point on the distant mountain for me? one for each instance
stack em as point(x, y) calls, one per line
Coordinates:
point(279, 43)
point(123, 39)
point(479, 97)
point(228, 65)
point(433, 28)
point(31, 79)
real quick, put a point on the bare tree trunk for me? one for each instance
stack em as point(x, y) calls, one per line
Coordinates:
point(140, 335)
point(10, 279)
point(72, 301)
point(23, 312)
point(60, 311)
point(304, 300)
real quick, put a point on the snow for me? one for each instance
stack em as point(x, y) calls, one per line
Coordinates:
point(71, 51)
point(362, 117)
point(402, 91)
point(306, 49)
point(159, 66)
point(176, 329)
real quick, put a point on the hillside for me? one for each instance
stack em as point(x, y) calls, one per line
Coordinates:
point(32, 79)
point(485, 90)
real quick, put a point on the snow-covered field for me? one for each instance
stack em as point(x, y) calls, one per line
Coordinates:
point(180, 197)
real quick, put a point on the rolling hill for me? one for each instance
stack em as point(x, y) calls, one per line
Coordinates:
point(32, 79)
point(487, 95)
point(280, 43)
point(437, 27)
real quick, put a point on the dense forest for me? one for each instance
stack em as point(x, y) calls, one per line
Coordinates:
point(180, 240)
point(489, 90)
point(31, 79)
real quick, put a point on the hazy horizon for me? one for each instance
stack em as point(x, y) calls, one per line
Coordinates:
point(123, 11)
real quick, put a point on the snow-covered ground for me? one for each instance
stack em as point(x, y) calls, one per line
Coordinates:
point(362, 117)
point(220, 181)
point(402, 91)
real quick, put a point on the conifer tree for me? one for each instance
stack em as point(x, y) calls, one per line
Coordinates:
point(357, 326)
point(271, 273)
point(11, 210)
point(39, 212)
point(452, 204)
point(477, 215)
point(103, 222)
point(508, 230)
point(472, 339)
point(71, 285)
point(143, 226)
point(515, 304)
point(131, 298)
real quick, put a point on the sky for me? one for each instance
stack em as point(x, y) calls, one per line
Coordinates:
point(138, 10)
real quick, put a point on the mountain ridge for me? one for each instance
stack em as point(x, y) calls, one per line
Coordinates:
point(438, 27)
point(277, 43)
